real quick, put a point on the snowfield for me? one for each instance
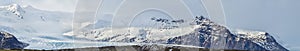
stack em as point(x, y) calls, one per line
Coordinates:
point(53, 30)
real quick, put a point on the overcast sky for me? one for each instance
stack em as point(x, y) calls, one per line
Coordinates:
point(278, 17)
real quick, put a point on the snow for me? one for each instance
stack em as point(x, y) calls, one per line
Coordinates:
point(261, 38)
point(34, 26)
point(15, 9)
point(250, 34)
point(151, 33)
point(53, 30)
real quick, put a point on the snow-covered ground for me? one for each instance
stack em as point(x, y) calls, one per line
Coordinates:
point(52, 30)
point(34, 26)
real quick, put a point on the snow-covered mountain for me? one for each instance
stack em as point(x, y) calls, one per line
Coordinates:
point(216, 36)
point(31, 19)
point(32, 26)
point(46, 29)
point(15, 9)
point(203, 33)
point(8, 41)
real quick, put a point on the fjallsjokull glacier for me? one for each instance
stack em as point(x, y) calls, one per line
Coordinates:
point(53, 30)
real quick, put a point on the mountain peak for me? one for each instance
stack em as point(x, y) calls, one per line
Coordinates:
point(9, 41)
point(15, 9)
point(263, 39)
point(206, 34)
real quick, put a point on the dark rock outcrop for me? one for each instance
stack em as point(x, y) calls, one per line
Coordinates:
point(215, 36)
point(209, 35)
point(8, 41)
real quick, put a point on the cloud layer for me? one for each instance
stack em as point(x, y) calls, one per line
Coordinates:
point(52, 5)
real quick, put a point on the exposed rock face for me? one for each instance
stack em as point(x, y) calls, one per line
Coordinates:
point(216, 36)
point(15, 9)
point(206, 34)
point(8, 41)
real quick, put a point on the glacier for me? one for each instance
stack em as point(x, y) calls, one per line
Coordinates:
point(204, 33)
point(53, 30)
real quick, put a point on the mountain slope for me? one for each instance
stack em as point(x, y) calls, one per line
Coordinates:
point(32, 26)
point(210, 39)
point(44, 29)
point(8, 41)
point(203, 33)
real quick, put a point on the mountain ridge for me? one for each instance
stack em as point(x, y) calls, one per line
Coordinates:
point(203, 32)
point(206, 34)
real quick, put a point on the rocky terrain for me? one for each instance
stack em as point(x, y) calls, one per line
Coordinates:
point(8, 41)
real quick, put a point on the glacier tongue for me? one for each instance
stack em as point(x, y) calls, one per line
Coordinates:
point(37, 26)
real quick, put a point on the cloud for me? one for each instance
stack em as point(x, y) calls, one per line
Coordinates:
point(52, 5)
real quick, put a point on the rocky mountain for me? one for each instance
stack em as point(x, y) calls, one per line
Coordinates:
point(212, 35)
point(8, 41)
point(204, 33)
point(46, 28)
